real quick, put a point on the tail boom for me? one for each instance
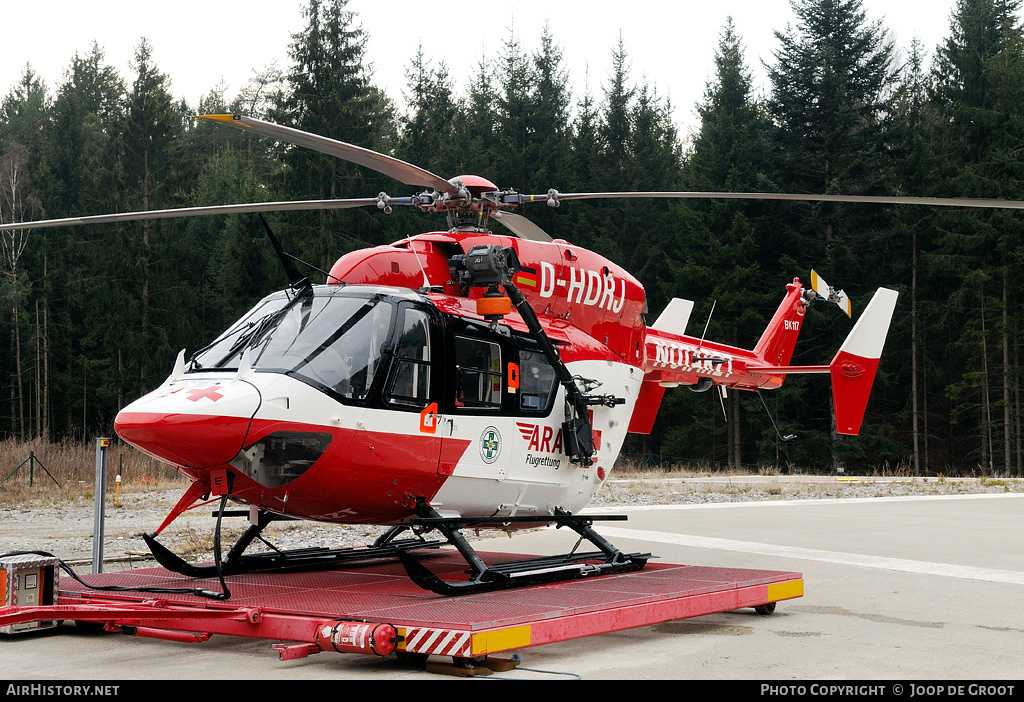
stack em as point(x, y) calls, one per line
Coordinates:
point(673, 358)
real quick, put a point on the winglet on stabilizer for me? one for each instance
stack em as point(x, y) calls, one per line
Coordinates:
point(854, 367)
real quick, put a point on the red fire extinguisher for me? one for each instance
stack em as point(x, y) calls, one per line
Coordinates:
point(357, 637)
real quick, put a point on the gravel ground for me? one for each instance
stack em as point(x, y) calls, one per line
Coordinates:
point(66, 529)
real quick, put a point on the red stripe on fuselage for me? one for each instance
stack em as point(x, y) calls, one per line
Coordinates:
point(363, 476)
point(185, 440)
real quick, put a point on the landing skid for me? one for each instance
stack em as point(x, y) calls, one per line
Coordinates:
point(237, 562)
point(532, 571)
point(482, 577)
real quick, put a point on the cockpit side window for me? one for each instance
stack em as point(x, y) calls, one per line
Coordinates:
point(478, 373)
point(537, 382)
point(411, 381)
point(358, 350)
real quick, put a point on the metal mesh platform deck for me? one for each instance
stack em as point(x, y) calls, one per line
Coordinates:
point(289, 606)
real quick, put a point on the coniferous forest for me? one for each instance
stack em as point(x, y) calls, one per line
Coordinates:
point(92, 317)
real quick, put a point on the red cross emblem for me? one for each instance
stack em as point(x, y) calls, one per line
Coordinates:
point(210, 393)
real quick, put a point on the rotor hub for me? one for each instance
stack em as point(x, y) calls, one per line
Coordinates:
point(474, 184)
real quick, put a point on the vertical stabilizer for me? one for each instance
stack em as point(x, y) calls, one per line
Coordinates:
point(776, 345)
point(854, 367)
point(675, 317)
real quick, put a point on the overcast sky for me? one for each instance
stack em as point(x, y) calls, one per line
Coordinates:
point(201, 43)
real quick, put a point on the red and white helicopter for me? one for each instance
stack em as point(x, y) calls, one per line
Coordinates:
point(454, 379)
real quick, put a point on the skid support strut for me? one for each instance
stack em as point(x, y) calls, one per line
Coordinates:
point(237, 562)
point(532, 571)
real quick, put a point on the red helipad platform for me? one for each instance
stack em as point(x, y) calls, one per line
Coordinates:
point(292, 607)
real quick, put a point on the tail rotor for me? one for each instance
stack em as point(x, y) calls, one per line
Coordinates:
point(826, 292)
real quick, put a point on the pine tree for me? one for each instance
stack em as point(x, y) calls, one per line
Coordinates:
point(603, 137)
point(512, 123)
point(831, 81)
point(329, 93)
point(475, 130)
point(548, 117)
point(548, 120)
point(717, 258)
point(78, 178)
point(139, 270)
point(965, 85)
point(584, 169)
point(979, 92)
point(616, 124)
point(654, 164)
point(23, 115)
point(78, 170)
point(582, 174)
point(428, 131)
point(914, 140)
point(18, 203)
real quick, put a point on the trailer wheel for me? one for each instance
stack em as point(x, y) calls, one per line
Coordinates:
point(765, 609)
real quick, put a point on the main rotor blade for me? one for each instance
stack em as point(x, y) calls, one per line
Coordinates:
point(197, 211)
point(521, 226)
point(865, 199)
point(389, 166)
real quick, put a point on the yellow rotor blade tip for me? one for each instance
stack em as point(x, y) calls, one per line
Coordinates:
point(218, 118)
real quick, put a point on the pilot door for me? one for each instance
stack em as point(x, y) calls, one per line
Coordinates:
point(498, 403)
point(477, 424)
point(398, 445)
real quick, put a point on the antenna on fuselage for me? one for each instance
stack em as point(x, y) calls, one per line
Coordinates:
point(296, 279)
point(707, 324)
point(426, 281)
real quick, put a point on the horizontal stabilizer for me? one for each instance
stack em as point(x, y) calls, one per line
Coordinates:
point(853, 368)
point(675, 317)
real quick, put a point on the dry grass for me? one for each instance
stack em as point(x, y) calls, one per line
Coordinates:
point(193, 543)
point(627, 469)
point(903, 469)
point(67, 470)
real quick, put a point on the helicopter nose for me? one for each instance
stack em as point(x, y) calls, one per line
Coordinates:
point(194, 423)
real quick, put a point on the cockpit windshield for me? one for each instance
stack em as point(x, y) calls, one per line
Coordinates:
point(329, 339)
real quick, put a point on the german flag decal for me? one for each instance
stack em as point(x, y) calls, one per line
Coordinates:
point(527, 277)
